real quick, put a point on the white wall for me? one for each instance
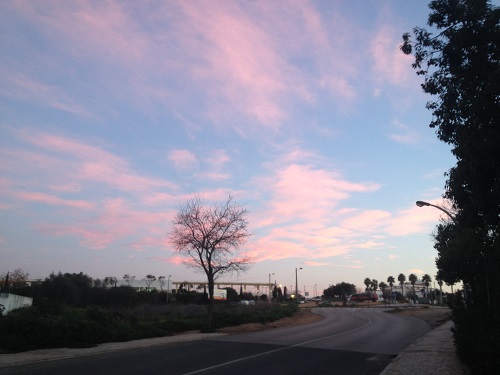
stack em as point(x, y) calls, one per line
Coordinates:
point(13, 301)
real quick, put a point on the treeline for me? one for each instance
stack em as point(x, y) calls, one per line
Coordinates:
point(81, 290)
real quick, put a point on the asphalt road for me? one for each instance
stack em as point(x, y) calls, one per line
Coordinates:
point(346, 341)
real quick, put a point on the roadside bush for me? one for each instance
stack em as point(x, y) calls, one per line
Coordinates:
point(476, 335)
point(59, 326)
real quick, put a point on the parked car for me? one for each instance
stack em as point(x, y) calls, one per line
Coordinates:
point(362, 297)
point(314, 299)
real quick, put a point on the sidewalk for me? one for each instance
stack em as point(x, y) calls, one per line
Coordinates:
point(433, 353)
point(42, 355)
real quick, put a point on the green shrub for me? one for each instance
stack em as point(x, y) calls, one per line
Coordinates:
point(476, 335)
point(61, 326)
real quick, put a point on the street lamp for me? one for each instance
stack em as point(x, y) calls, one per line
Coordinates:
point(486, 266)
point(422, 204)
point(168, 286)
point(270, 286)
point(297, 285)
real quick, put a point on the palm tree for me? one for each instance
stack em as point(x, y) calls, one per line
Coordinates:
point(391, 282)
point(427, 281)
point(440, 283)
point(402, 279)
point(413, 280)
point(383, 287)
point(367, 282)
point(374, 285)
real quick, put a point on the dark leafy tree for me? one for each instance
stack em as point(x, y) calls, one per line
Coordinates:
point(246, 296)
point(368, 283)
point(232, 294)
point(342, 289)
point(208, 238)
point(73, 289)
point(460, 65)
point(111, 280)
point(97, 283)
point(382, 286)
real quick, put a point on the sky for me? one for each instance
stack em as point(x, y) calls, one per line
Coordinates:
point(113, 113)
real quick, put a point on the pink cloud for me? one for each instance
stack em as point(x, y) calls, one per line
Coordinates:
point(218, 159)
point(97, 27)
point(401, 133)
point(176, 260)
point(306, 193)
point(369, 245)
point(317, 264)
point(270, 248)
point(303, 217)
point(367, 221)
point(21, 87)
point(90, 163)
point(297, 222)
point(53, 200)
point(418, 272)
point(243, 57)
point(55, 168)
point(390, 64)
point(116, 222)
point(240, 54)
point(181, 156)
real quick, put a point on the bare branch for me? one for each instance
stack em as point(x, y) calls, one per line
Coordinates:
point(209, 237)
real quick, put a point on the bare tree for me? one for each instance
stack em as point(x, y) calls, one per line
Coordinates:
point(16, 278)
point(208, 237)
point(149, 280)
point(129, 279)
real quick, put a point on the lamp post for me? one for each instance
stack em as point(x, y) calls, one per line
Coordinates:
point(168, 286)
point(270, 286)
point(297, 284)
point(425, 204)
point(422, 204)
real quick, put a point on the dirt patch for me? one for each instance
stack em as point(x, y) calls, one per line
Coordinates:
point(303, 316)
point(434, 316)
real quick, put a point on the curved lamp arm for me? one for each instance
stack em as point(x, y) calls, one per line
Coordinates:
point(422, 204)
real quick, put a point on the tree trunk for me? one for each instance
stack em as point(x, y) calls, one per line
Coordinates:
point(210, 302)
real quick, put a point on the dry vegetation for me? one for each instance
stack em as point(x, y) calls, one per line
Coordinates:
point(432, 315)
